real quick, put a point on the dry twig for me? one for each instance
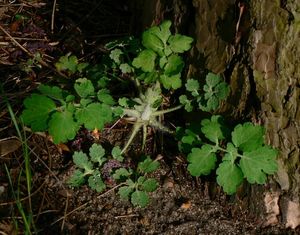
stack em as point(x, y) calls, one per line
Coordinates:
point(41, 61)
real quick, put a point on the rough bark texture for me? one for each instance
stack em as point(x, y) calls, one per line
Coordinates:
point(256, 45)
point(276, 49)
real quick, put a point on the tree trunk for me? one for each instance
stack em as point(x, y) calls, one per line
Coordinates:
point(256, 45)
point(274, 37)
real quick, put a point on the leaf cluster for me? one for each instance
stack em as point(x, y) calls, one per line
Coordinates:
point(70, 64)
point(157, 60)
point(155, 67)
point(88, 168)
point(138, 185)
point(63, 113)
point(244, 156)
point(209, 97)
point(137, 190)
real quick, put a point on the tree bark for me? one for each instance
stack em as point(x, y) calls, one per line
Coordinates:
point(275, 41)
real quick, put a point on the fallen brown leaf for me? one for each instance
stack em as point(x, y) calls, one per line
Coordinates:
point(9, 145)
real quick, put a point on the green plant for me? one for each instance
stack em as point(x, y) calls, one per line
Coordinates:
point(156, 63)
point(91, 105)
point(244, 156)
point(157, 60)
point(98, 167)
point(207, 99)
point(70, 64)
point(144, 112)
point(62, 113)
point(154, 68)
point(138, 186)
point(89, 168)
point(159, 63)
point(32, 62)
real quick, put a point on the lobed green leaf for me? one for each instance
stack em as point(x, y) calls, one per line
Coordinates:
point(192, 85)
point(67, 62)
point(53, 92)
point(76, 179)
point(151, 41)
point(163, 31)
point(126, 68)
point(222, 90)
point(105, 97)
point(180, 43)
point(212, 80)
point(117, 153)
point(141, 180)
point(95, 181)
point(174, 65)
point(81, 160)
point(122, 173)
point(213, 129)
point(202, 161)
point(215, 90)
point(171, 81)
point(62, 126)
point(84, 87)
point(70, 98)
point(38, 109)
point(148, 165)
point(229, 176)
point(85, 102)
point(95, 115)
point(97, 153)
point(149, 185)
point(186, 102)
point(149, 77)
point(125, 191)
point(163, 61)
point(139, 198)
point(115, 55)
point(145, 60)
point(188, 139)
point(231, 153)
point(82, 66)
point(257, 163)
point(124, 102)
point(248, 137)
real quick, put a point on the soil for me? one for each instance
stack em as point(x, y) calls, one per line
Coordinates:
point(181, 204)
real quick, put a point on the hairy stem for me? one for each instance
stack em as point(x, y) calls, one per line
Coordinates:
point(161, 112)
point(144, 136)
point(136, 128)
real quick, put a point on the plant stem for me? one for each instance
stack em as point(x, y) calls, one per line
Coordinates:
point(225, 150)
point(136, 128)
point(161, 112)
point(144, 136)
point(131, 113)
